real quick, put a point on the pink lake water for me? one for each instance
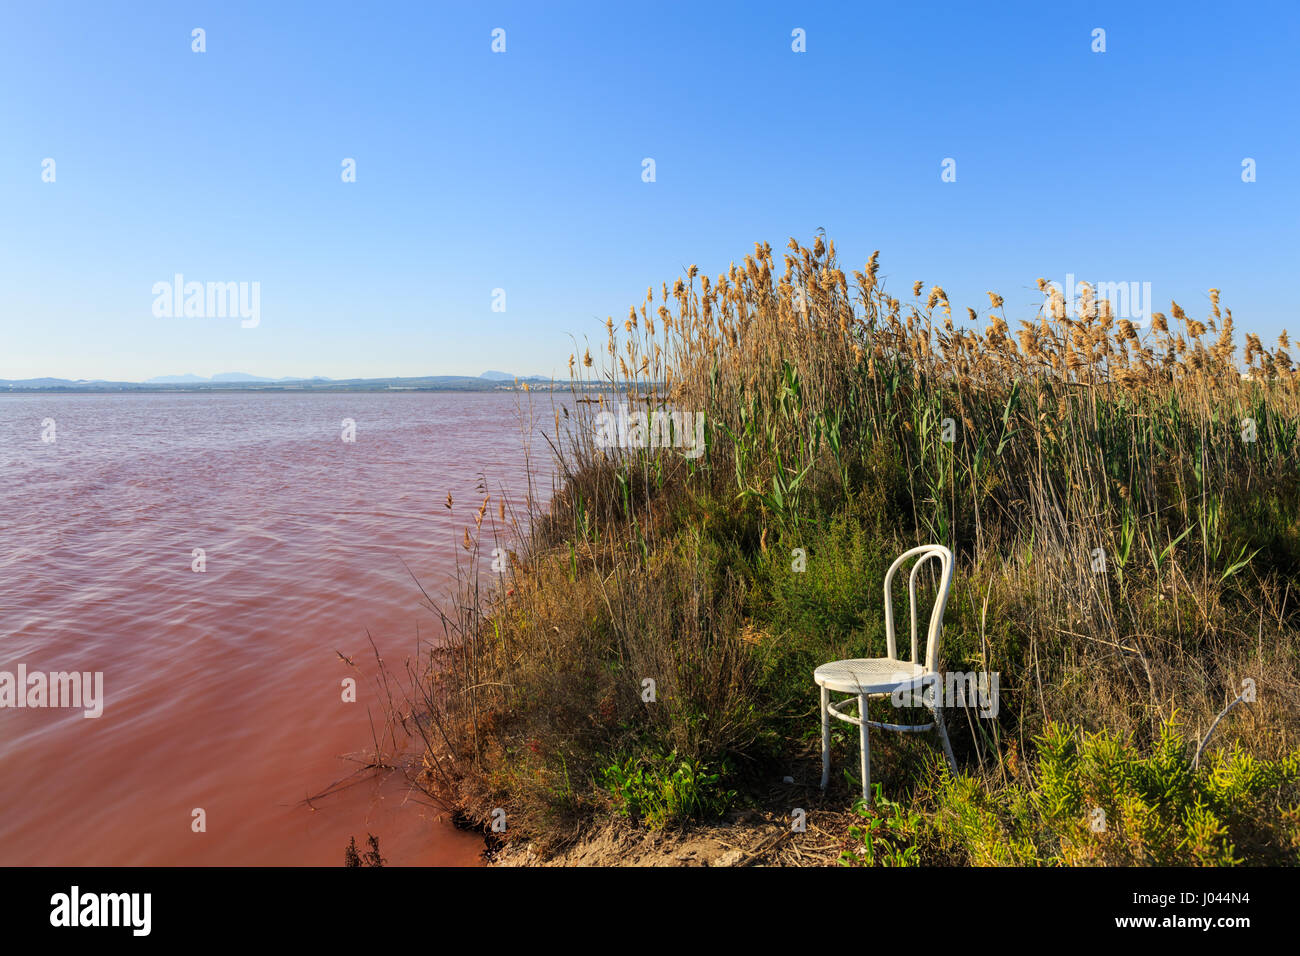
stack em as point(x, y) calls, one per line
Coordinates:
point(223, 688)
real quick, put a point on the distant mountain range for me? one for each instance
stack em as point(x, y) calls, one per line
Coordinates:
point(225, 377)
point(488, 381)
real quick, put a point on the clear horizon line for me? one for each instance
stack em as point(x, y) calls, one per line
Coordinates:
point(489, 375)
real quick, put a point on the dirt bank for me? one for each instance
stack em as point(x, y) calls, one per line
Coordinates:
point(751, 838)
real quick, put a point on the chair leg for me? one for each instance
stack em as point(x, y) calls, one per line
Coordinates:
point(943, 735)
point(826, 737)
point(866, 749)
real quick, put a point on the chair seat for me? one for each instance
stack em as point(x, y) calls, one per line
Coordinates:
point(869, 675)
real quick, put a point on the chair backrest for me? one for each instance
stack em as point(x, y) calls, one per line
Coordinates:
point(933, 636)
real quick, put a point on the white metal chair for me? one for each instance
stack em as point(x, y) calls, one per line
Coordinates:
point(880, 676)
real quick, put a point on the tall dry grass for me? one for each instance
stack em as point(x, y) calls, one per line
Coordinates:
point(1123, 502)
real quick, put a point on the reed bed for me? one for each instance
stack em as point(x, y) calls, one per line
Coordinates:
point(1123, 502)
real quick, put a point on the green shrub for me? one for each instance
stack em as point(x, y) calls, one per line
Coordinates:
point(666, 790)
point(1093, 799)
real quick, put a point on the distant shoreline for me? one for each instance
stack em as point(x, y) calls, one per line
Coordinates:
point(450, 383)
point(295, 388)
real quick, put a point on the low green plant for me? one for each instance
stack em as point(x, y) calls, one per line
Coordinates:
point(886, 836)
point(666, 790)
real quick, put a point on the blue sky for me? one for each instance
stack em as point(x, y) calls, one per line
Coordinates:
point(522, 170)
